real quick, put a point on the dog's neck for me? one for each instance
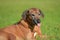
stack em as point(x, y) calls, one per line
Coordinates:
point(26, 24)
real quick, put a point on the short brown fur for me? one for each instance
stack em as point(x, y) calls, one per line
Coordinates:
point(24, 29)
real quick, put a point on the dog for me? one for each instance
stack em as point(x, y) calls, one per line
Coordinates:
point(26, 28)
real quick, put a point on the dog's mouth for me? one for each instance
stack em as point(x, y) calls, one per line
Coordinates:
point(36, 22)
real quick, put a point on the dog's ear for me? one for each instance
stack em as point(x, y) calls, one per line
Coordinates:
point(25, 13)
point(41, 13)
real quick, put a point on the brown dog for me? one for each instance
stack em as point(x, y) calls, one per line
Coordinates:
point(26, 28)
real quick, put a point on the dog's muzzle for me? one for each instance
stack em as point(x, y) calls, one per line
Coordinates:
point(36, 21)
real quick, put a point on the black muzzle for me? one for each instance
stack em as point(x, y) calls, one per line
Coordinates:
point(35, 21)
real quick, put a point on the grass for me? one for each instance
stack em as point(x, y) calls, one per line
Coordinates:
point(11, 10)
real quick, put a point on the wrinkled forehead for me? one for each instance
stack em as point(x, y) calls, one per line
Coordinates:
point(34, 10)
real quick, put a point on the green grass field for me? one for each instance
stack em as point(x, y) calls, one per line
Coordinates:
point(11, 10)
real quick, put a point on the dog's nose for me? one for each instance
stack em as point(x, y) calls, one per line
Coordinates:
point(38, 20)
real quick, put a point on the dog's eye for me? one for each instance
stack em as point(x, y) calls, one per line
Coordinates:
point(33, 15)
point(38, 14)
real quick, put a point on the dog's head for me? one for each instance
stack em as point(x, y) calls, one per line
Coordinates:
point(32, 16)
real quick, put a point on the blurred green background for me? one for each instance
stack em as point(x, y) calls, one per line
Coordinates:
point(11, 10)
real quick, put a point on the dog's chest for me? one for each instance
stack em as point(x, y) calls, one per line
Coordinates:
point(30, 36)
point(25, 33)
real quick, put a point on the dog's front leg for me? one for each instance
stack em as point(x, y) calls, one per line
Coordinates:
point(37, 30)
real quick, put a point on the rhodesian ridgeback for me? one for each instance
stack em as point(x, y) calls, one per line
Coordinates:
point(26, 28)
